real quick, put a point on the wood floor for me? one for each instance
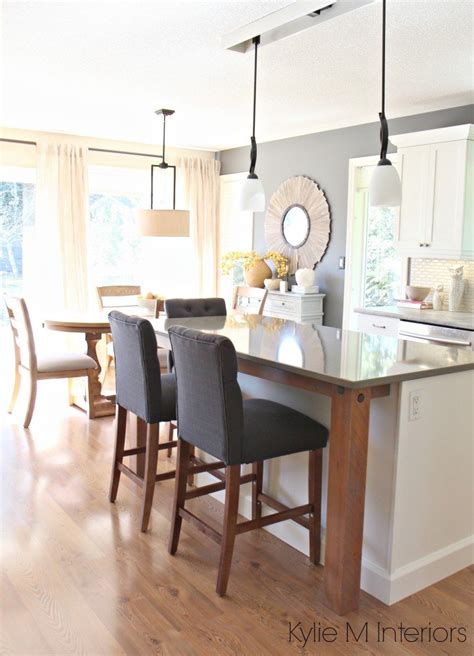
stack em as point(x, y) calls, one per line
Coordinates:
point(78, 577)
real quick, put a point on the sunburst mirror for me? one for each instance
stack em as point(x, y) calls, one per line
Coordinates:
point(297, 223)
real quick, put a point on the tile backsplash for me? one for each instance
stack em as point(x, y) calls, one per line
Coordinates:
point(431, 273)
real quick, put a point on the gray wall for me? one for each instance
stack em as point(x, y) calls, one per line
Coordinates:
point(324, 157)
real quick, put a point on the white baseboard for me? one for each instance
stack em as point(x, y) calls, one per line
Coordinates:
point(377, 581)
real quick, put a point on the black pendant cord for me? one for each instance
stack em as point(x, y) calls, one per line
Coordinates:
point(383, 119)
point(253, 149)
point(163, 164)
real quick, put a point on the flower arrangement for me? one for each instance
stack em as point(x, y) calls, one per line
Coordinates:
point(248, 259)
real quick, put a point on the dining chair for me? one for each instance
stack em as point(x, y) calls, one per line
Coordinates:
point(38, 366)
point(249, 300)
point(213, 417)
point(109, 296)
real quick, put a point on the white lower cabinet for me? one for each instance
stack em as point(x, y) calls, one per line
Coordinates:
point(377, 325)
point(296, 307)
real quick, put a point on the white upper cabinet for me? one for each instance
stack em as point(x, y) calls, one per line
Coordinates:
point(437, 214)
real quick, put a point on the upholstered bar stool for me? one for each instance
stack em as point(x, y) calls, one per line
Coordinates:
point(182, 308)
point(213, 417)
point(142, 390)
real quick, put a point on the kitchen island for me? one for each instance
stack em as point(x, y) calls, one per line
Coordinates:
point(400, 419)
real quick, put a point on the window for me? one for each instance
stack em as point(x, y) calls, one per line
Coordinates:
point(17, 212)
point(114, 244)
point(375, 273)
point(383, 266)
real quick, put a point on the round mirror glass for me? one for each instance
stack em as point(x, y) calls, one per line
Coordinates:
point(295, 226)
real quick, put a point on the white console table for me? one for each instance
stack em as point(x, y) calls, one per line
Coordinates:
point(297, 307)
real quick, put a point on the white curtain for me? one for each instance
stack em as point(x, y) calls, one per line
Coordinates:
point(60, 275)
point(201, 192)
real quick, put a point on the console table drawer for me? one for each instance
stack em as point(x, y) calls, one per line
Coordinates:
point(294, 306)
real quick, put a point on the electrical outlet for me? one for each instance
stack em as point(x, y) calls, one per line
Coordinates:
point(415, 405)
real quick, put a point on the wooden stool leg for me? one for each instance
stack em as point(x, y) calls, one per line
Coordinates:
point(232, 489)
point(151, 462)
point(182, 464)
point(118, 451)
point(31, 401)
point(191, 477)
point(315, 476)
point(16, 388)
point(257, 485)
point(170, 437)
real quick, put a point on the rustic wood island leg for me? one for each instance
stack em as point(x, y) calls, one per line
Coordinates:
point(346, 497)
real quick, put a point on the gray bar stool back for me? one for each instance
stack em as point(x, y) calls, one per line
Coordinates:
point(143, 391)
point(213, 417)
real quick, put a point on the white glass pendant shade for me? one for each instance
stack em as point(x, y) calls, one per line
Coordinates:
point(163, 223)
point(252, 196)
point(385, 188)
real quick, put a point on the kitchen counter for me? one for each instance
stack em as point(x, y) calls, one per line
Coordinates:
point(395, 447)
point(464, 320)
point(341, 357)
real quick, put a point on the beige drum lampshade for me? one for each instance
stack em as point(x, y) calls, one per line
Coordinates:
point(163, 223)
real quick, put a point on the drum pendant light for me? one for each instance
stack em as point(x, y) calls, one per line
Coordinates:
point(252, 195)
point(163, 222)
point(385, 188)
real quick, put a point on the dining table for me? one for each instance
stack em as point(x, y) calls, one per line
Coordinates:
point(93, 325)
point(352, 369)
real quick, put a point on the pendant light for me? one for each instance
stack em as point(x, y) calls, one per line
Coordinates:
point(385, 188)
point(252, 195)
point(163, 222)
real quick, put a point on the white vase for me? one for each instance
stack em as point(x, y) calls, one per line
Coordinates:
point(456, 288)
point(438, 298)
point(305, 277)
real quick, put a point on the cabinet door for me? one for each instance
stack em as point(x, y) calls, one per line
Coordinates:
point(445, 215)
point(415, 167)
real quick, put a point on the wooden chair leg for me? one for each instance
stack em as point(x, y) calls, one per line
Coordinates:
point(170, 437)
point(315, 476)
point(120, 431)
point(257, 485)
point(191, 477)
point(31, 402)
point(232, 490)
point(151, 462)
point(16, 389)
point(182, 464)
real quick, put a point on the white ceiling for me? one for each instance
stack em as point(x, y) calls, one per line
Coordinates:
point(101, 68)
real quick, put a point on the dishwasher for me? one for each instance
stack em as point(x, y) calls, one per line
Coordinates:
point(433, 334)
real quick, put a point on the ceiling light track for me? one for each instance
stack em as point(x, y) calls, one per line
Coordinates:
point(288, 21)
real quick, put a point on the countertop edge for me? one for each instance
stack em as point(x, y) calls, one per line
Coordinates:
point(423, 316)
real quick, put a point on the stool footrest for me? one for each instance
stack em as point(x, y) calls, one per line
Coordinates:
point(135, 451)
point(130, 473)
point(291, 513)
point(276, 505)
point(167, 445)
point(201, 525)
point(216, 487)
point(165, 475)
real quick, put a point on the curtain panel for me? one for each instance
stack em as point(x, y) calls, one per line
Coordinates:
point(62, 202)
point(201, 192)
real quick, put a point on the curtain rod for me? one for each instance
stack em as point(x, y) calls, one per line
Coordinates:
point(96, 150)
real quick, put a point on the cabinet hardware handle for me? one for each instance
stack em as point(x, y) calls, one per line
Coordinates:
point(377, 325)
point(421, 245)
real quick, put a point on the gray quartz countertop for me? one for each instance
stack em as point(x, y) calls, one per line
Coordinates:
point(342, 357)
point(464, 320)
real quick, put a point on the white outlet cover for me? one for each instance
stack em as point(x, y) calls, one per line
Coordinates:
point(415, 405)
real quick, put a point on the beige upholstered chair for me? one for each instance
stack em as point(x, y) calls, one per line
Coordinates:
point(38, 367)
point(250, 300)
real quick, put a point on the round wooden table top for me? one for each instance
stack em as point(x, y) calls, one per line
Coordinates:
point(90, 322)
